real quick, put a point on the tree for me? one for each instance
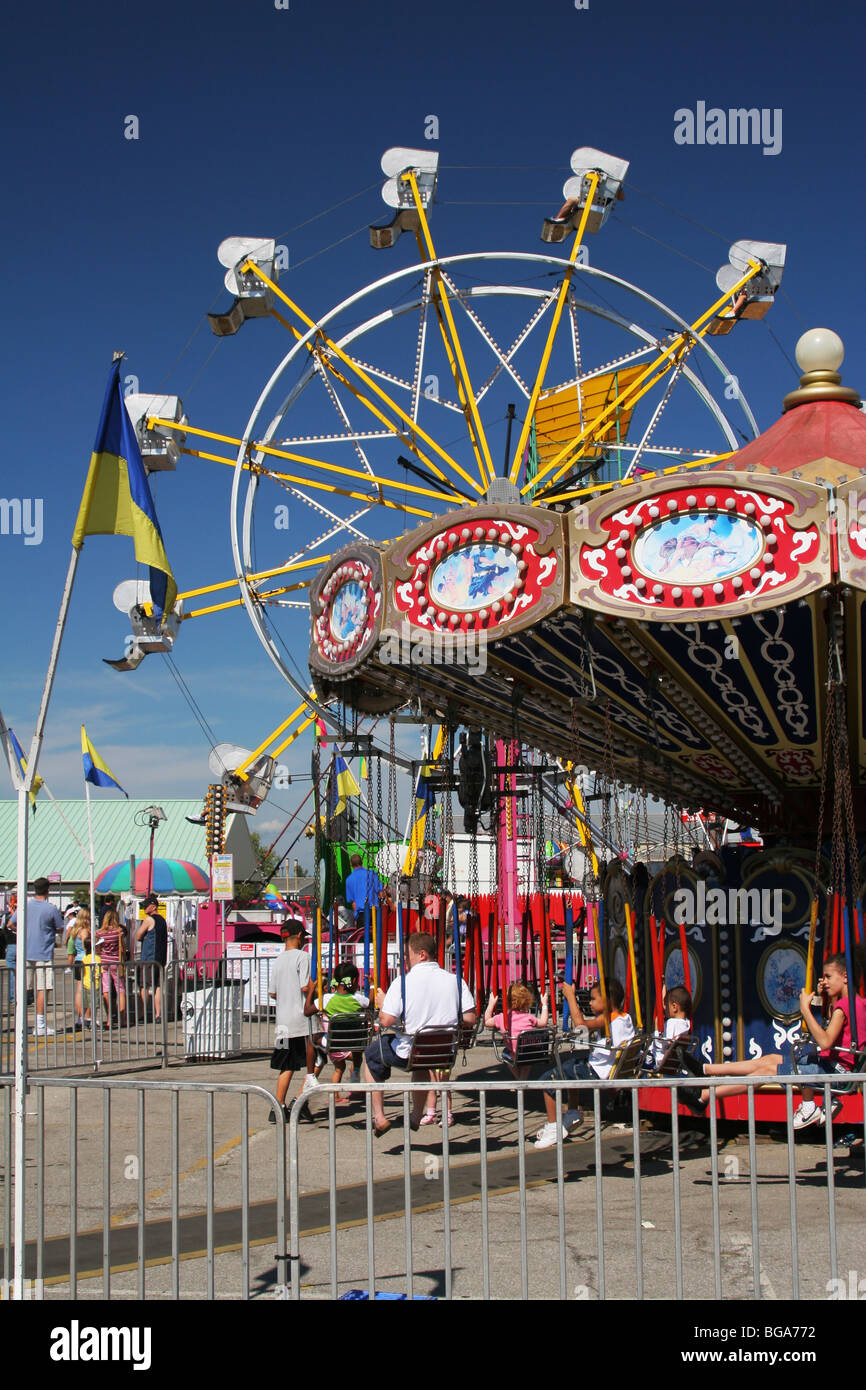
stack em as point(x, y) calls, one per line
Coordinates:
point(266, 864)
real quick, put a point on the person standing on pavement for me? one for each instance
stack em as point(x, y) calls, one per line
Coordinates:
point(42, 923)
point(153, 935)
point(292, 988)
point(11, 943)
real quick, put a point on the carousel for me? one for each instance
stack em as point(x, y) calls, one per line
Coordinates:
point(614, 619)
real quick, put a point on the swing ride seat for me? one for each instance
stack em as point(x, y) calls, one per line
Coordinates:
point(842, 1083)
point(347, 1032)
point(467, 1035)
point(534, 1045)
point(664, 1056)
point(433, 1049)
point(629, 1058)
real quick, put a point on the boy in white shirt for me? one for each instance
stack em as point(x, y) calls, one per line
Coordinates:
point(678, 1018)
point(601, 1058)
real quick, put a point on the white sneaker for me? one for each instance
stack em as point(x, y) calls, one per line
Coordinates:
point(548, 1136)
point(44, 1031)
point(310, 1083)
point(808, 1114)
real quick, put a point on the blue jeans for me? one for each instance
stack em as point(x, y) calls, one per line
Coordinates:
point(381, 1057)
point(11, 958)
point(572, 1070)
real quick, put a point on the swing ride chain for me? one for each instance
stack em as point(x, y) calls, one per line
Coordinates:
point(589, 878)
point(317, 837)
point(392, 787)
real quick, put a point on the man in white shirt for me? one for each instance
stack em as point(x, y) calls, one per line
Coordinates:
point(431, 1001)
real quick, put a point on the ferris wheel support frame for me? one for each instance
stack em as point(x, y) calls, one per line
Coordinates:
point(241, 534)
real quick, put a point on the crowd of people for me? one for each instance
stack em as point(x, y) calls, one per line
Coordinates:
point(96, 955)
point(426, 997)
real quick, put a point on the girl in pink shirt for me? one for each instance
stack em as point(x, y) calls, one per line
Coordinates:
point(520, 1001)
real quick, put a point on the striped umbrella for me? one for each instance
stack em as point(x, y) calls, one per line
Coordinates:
point(169, 876)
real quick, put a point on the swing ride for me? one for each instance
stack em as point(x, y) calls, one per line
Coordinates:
point(689, 624)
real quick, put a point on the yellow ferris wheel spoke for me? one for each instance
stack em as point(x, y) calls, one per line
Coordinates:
point(564, 458)
point(450, 338)
point(236, 602)
point(554, 325)
point(374, 499)
point(280, 729)
point(332, 347)
point(404, 436)
point(596, 429)
point(254, 578)
point(271, 451)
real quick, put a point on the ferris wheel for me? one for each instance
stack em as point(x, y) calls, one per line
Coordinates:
point(454, 380)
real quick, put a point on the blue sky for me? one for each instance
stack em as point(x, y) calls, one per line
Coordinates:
point(253, 120)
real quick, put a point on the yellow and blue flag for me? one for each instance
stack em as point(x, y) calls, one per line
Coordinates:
point(96, 770)
point(18, 754)
point(346, 784)
point(116, 499)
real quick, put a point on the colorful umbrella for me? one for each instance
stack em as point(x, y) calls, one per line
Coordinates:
point(169, 876)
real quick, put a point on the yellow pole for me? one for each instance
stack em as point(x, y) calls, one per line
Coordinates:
point(236, 602)
point(270, 738)
point(414, 428)
point(813, 930)
point(275, 752)
point(371, 497)
point(252, 578)
point(679, 356)
point(404, 437)
point(582, 825)
point(272, 452)
point(554, 325)
point(629, 927)
point(461, 374)
point(633, 386)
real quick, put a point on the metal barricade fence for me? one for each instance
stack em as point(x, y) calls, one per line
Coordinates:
point(623, 1213)
point(91, 1017)
point(147, 1189)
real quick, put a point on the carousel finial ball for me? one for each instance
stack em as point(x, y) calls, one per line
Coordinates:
point(820, 350)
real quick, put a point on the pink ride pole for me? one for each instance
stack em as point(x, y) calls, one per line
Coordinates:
point(507, 891)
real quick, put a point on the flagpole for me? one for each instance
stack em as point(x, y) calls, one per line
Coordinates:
point(18, 1291)
point(92, 861)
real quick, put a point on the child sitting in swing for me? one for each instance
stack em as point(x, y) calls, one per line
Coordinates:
point(677, 1004)
point(520, 1019)
point(344, 998)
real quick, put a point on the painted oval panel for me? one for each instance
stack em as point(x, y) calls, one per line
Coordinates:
point(705, 546)
point(781, 976)
point(349, 612)
point(474, 576)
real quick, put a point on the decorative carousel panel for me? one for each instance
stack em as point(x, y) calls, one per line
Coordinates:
point(851, 532)
point(482, 570)
point(701, 545)
point(346, 612)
